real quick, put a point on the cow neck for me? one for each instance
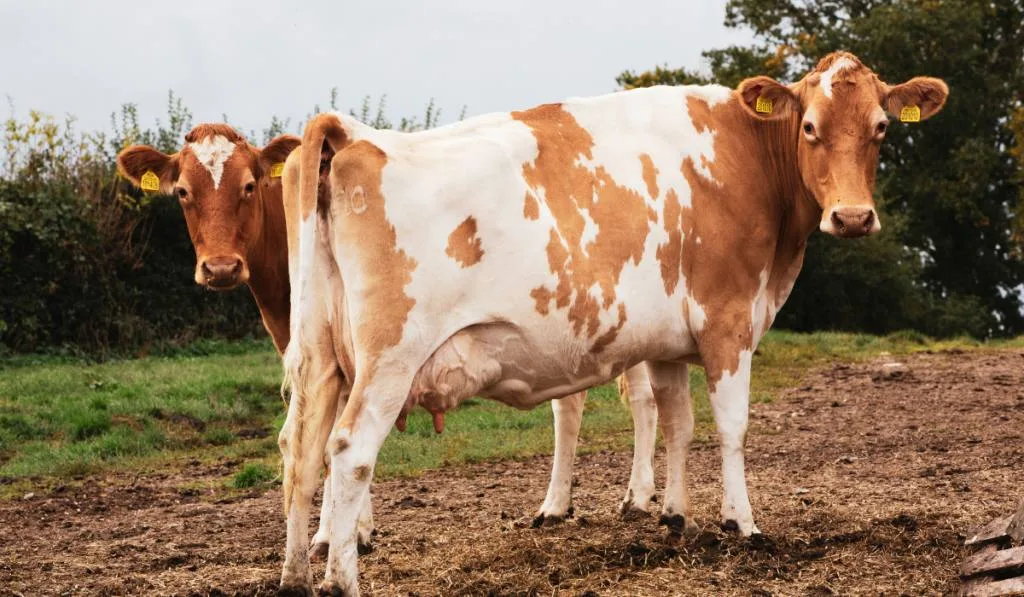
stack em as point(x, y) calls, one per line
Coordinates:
point(268, 260)
point(795, 212)
point(800, 212)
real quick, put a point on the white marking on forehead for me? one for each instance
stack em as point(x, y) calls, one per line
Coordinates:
point(826, 77)
point(212, 152)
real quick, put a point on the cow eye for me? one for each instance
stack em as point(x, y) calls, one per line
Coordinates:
point(250, 188)
point(881, 128)
point(181, 193)
point(808, 129)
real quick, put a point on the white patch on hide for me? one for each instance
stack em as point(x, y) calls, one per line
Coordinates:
point(212, 152)
point(826, 77)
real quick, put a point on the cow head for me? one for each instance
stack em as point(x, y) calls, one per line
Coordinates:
point(219, 179)
point(841, 112)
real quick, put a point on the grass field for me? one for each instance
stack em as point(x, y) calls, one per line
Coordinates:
point(62, 417)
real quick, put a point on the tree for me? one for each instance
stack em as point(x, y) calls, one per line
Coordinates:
point(956, 184)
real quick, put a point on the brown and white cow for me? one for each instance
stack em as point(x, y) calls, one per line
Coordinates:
point(524, 256)
point(230, 192)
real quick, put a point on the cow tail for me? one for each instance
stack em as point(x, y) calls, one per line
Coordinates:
point(623, 384)
point(323, 137)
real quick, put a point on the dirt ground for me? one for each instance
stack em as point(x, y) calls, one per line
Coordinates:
point(861, 484)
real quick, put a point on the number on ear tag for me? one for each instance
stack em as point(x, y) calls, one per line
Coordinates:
point(277, 170)
point(763, 106)
point(910, 114)
point(149, 181)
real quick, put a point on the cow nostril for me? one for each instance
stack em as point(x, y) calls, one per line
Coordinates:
point(237, 269)
point(837, 222)
point(869, 219)
point(207, 273)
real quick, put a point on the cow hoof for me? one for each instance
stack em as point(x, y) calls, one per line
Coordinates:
point(318, 550)
point(365, 539)
point(294, 591)
point(732, 526)
point(631, 512)
point(331, 590)
point(546, 521)
point(678, 527)
point(674, 522)
point(550, 520)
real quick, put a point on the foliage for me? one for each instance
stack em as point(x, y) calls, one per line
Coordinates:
point(955, 258)
point(90, 264)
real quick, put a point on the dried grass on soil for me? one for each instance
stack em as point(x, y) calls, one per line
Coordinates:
point(861, 484)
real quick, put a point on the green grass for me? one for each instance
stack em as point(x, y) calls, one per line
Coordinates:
point(252, 474)
point(62, 417)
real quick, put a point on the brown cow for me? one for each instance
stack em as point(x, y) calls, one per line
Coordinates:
point(230, 192)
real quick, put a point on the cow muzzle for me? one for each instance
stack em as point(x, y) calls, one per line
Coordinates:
point(222, 273)
point(850, 222)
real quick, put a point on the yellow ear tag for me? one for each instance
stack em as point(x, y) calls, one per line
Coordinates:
point(277, 170)
point(910, 114)
point(149, 181)
point(763, 106)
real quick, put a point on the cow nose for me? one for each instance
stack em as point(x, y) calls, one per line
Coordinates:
point(221, 272)
point(850, 222)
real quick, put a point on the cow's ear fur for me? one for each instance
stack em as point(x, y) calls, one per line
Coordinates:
point(784, 101)
point(927, 93)
point(277, 151)
point(136, 160)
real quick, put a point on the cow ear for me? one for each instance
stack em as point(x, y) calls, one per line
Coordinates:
point(917, 99)
point(273, 156)
point(139, 163)
point(764, 97)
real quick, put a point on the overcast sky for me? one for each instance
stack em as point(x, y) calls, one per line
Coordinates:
point(254, 59)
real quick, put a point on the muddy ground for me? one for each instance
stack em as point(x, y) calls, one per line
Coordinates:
point(862, 484)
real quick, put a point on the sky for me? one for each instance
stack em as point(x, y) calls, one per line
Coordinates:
point(255, 59)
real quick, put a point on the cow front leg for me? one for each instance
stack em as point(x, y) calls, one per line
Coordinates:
point(635, 387)
point(670, 384)
point(353, 447)
point(557, 505)
point(730, 403)
point(302, 441)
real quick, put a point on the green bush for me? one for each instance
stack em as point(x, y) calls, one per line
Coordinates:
point(90, 265)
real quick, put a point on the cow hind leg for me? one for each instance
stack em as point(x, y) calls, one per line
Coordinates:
point(366, 530)
point(353, 447)
point(557, 505)
point(322, 537)
point(635, 387)
point(730, 398)
point(302, 440)
point(670, 384)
